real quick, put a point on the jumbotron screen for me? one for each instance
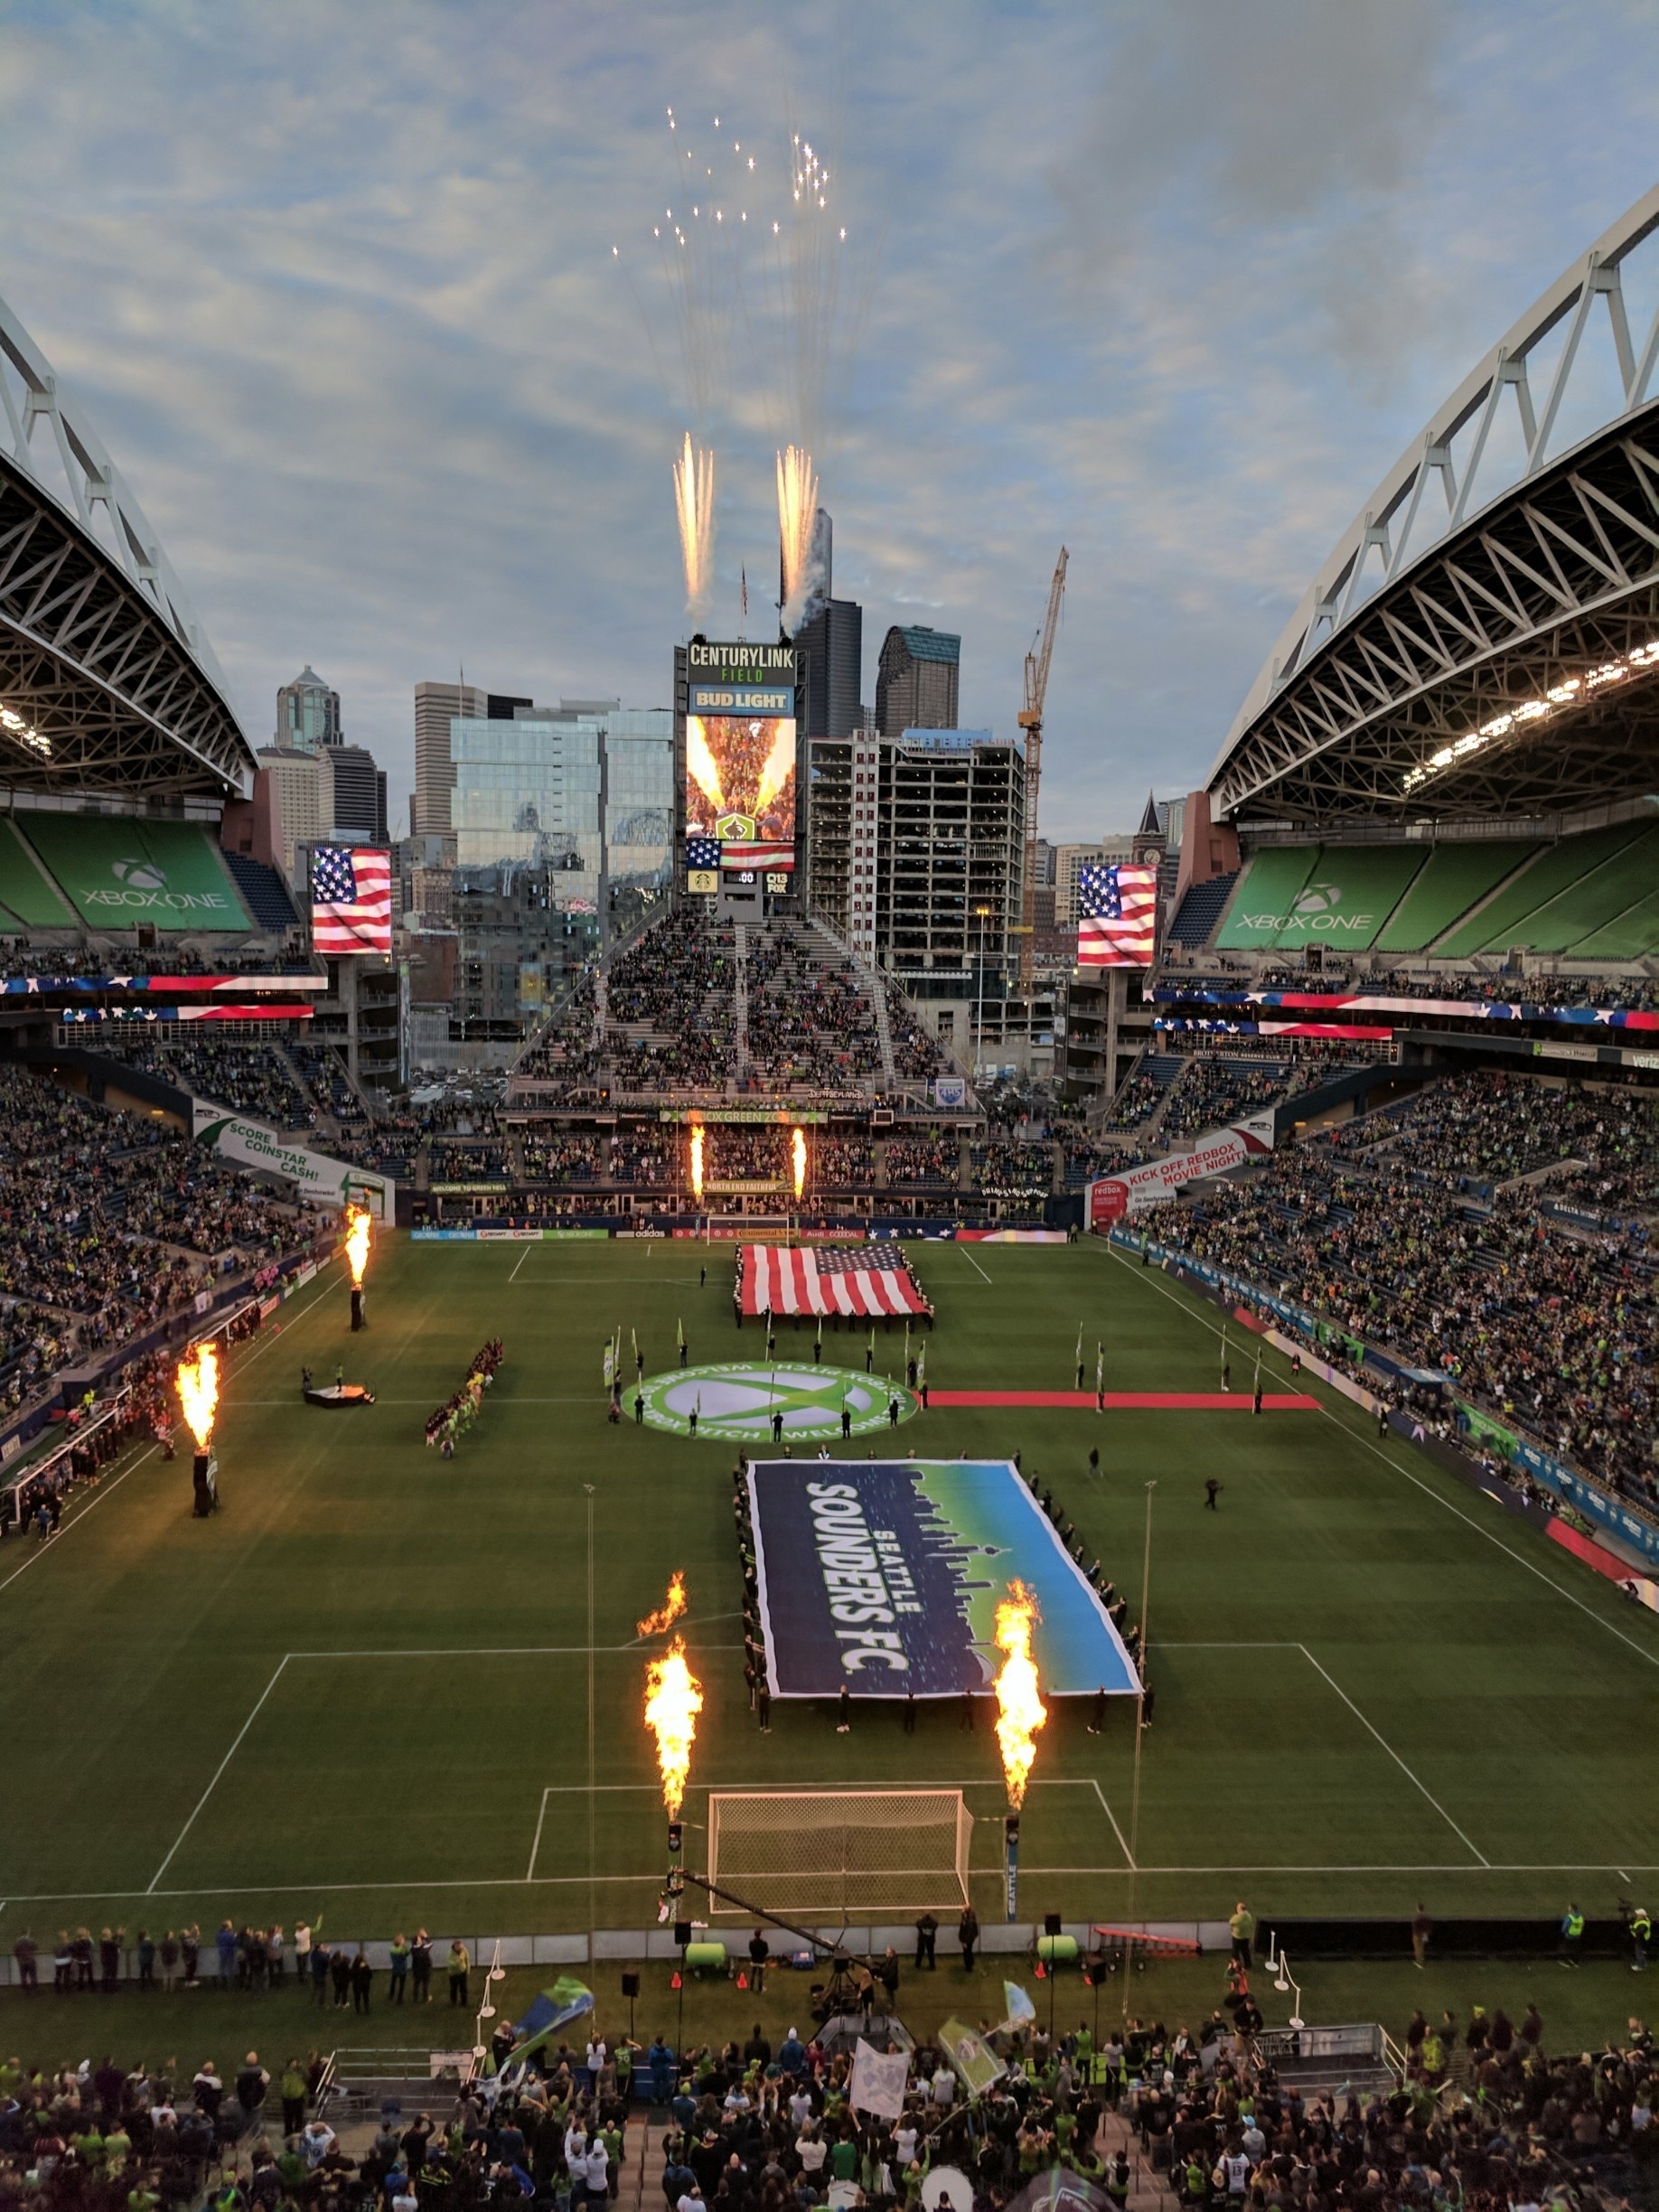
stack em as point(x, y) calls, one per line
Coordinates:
point(740, 787)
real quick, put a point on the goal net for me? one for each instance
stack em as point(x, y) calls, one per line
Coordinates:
point(840, 1851)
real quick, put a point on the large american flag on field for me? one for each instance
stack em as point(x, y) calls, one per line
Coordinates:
point(1117, 916)
point(866, 1281)
point(351, 898)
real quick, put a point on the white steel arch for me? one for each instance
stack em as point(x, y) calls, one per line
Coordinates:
point(1397, 528)
point(98, 627)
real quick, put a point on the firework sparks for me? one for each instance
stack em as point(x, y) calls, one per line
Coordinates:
point(797, 523)
point(696, 1161)
point(1020, 1711)
point(694, 495)
point(671, 1609)
point(797, 1153)
point(673, 1700)
point(356, 1244)
point(198, 1387)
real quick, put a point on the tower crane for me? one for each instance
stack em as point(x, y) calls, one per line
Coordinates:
point(1031, 722)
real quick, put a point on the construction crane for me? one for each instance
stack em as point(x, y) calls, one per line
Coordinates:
point(1031, 722)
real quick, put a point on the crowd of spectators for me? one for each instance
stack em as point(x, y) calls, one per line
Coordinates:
point(734, 1153)
point(1483, 2117)
point(809, 1018)
point(456, 1160)
point(843, 1163)
point(566, 1049)
point(935, 1161)
point(324, 1073)
point(670, 1007)
point(1211, 1090)
point(561, 1156)
point(1385, 1228)
point(110, 1223)
point(1137, 1100)
point(1013, 1170)
point(916, 1055)
point(646, 1158)
point(252, 1079)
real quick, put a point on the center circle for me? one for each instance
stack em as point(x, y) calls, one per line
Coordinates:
point(738, 1401)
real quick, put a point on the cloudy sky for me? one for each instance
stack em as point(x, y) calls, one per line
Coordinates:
point(1170, 281)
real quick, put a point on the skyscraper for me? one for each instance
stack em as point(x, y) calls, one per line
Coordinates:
point(352, 794)
point(436, 706)
point(308, 714)
point(830, 644)
point(916, 681)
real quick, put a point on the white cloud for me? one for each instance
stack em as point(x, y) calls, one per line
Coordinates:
point(1170, 283)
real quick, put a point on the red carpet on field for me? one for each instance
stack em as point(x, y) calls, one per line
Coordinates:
point(1187, 1402)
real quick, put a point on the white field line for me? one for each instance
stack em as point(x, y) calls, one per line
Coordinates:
point(229, 1755)
point(1416, 1782)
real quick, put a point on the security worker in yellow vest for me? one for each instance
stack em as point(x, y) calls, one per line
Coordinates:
point(1572, 1936)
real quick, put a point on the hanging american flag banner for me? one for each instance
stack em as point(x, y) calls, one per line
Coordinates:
point(351, 898)
point(1117, 916)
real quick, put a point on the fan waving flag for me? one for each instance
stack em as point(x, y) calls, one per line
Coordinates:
point(1117, 916)
point(351, 898)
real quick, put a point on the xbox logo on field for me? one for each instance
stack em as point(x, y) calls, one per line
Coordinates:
point(1318, 899)
point(738, 1401)
point(139, 875)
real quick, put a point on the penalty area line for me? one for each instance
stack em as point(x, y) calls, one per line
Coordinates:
point(1376, 1733)
point(218, 1772)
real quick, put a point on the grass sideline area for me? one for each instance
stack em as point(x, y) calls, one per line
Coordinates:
point(390, 1688)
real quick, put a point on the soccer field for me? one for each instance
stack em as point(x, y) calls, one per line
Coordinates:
point(398, 1690)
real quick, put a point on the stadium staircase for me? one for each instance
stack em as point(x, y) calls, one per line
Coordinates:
point(1200, 911)
point(835, 948)
point(740, 1001)
point(264, 894)
point(296, 1076)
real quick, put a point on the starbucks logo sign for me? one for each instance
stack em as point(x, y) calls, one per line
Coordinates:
point(736, 1402)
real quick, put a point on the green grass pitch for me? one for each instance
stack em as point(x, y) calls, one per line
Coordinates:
point(385, 1687)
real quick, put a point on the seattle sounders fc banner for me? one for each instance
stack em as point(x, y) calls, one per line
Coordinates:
point(886, 1575)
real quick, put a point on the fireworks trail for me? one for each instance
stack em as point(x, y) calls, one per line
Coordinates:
point(797, 1156)
point(696, 1161)
point(797, 532)
point(694, 509)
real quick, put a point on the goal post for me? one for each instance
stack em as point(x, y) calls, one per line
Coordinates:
point(804, 1852)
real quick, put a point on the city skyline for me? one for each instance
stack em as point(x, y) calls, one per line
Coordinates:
point(345, 313)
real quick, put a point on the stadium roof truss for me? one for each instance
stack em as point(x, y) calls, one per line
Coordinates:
point(1484, 635)
point(106, 681)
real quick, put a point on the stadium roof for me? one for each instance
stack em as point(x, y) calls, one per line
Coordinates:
point(107, 682)
point(1484, 637)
